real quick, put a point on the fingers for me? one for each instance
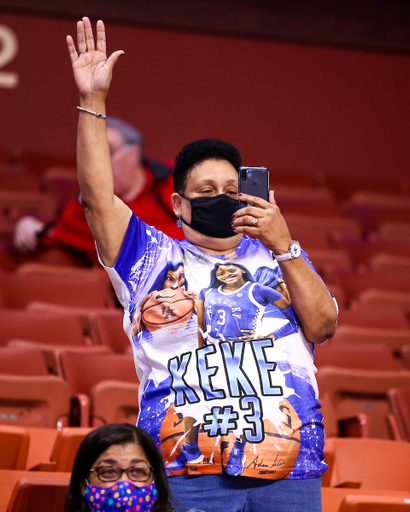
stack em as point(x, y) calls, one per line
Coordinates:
point(89, 37)
point(112, 59)
point(71, 49)
point(81, 44)
point(101, 40)
point(256, 201)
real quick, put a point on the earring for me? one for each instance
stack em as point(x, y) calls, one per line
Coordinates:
point(179, 222)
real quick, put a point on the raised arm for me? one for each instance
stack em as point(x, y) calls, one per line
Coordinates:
point(310, 298)
point(106, 214)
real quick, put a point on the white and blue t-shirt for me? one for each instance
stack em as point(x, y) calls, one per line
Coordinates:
point(215, 339)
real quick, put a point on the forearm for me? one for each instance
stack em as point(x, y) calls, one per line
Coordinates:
point(311, 300)
point(93, 157)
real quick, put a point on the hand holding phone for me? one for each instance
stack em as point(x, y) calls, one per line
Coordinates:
point(253, 181)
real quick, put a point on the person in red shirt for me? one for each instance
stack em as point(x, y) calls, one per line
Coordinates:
point(144, 185)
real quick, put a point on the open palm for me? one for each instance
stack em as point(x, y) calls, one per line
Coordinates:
point(92, 69)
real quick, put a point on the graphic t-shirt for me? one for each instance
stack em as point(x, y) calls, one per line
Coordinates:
point(219, 351)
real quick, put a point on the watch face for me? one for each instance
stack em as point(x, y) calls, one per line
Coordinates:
point(295, 250)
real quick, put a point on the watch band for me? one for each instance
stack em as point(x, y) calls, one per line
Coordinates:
point(293, 252)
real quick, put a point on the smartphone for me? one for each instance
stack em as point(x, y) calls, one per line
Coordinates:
point(255, 182)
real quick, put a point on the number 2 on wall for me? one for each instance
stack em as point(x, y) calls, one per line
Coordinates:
point(8, 50)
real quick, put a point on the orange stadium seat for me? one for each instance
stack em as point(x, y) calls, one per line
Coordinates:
point(372, 209)
point(359, 356)
point(107, 329)
point(22, 361)
point(38, 494)
point(357, 462)
point(37, 401)
point(400, 404)
point(394, 229)
point(306, 200)
point(14, 203)
point(395, 339)
point(364, 250)
point(332, 498)
point(382, 261)
point(18, 180)
point(354, 282)
point(355, 391)
point(14, 446)
point(65, 448)
point(383, 316)
point(343, 186)
point(374, 503)
point(57, 328)
point(61, 183)
point(104, 388)
point(372, 297)
point(17, 290)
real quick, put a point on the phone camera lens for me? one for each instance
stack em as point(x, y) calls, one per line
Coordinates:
point(244, 173)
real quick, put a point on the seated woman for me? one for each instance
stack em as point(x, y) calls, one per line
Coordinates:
point(118, 467)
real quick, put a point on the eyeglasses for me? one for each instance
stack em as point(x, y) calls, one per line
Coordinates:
point(114, 473)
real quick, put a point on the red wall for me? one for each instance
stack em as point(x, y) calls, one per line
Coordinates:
point(287, 106)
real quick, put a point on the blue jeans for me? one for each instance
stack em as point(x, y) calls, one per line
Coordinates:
point(224, 493)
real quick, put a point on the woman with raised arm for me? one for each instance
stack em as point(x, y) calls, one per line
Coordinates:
point(254, 436)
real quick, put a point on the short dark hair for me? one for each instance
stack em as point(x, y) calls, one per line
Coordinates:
point(99, 440)
point(198, 151)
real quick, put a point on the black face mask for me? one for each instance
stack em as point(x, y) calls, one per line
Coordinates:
point(212, 216)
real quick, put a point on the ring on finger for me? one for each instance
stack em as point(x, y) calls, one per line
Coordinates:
point(82, 51)
point(254, 221)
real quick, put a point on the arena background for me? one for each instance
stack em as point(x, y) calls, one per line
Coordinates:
point(290, 105)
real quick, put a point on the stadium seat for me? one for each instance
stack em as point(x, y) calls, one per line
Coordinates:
point(405, 355)
point(37, 401)
point(15, 203)
point(22, 361)
point(332, 497)
point(397, 229)
point(65, 448)
point(14, 446)
point(356, 281)
point(45, 327)
point(61, 183)
point(376, 316)
point(364, 250)
point(358, 356)
point(382, 261)
point(39, 494)
point(371, 208)
point(324, 257)
point(18, 290)
point(103, 387)
point(357, 462)
point(395, 339)
point(306, 200)
point(400, 405)
point(107, 329)
point(345, 185)
point(18, 180)
point(372, 503)
point(375, 297)
point(353, 391)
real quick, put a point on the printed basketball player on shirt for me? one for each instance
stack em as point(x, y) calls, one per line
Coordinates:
point(169, 304)
point(233, 308)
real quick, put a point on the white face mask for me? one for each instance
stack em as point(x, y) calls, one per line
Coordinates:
point(121, 497)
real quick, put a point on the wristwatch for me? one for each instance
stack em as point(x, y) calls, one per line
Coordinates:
point(293, 253)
